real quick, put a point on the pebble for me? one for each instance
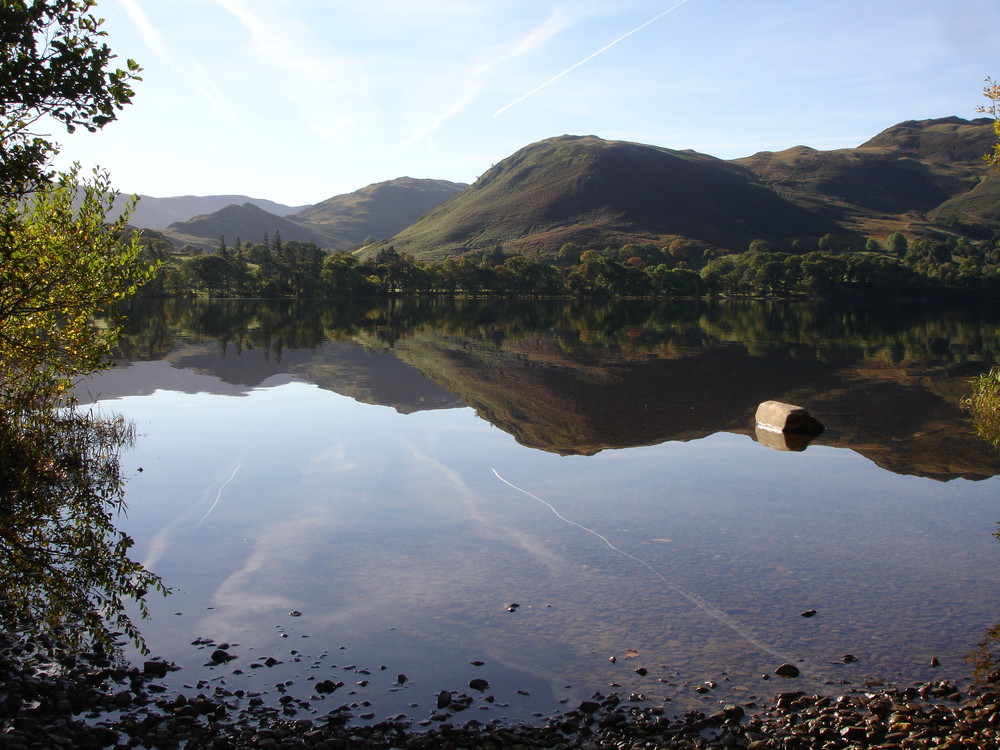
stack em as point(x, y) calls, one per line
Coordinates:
point(84, 703)
point(787, 670)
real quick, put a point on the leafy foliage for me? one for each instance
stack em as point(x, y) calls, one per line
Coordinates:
point(53, 64)
point(844, 267)
point(60, 265)
point(984, 406)
point(992, 92)
point(65, 565)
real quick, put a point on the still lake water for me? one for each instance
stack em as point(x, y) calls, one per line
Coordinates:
point(399, 476)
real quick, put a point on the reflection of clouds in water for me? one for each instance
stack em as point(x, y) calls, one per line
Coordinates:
point(473, 503)
point(161, 541)
point(264, 584)
point(386, 536)
point(332, 460)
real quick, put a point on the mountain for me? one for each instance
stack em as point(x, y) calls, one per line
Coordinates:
point(917, 177)
point(159, 213)
point(247, 222)
point(920, 177)
point(379, 210)
point(590, 191)
point(906, 179)
point(344, 221)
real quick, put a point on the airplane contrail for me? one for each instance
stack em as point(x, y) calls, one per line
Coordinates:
point(590, 57)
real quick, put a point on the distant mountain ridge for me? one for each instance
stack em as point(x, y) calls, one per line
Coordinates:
point(379, 210)
point(900, 180)
point(159, 213)
point(919, 177)
point(341, 222)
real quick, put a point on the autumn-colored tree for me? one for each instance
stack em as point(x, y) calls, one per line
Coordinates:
point(60, 265)
point(992, 92)
point(65, 565)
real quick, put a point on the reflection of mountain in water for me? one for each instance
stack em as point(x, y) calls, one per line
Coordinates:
point(590, 399)
point(343, 367)
point(559, 381)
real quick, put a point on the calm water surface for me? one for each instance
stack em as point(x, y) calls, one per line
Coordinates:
point(400, 477)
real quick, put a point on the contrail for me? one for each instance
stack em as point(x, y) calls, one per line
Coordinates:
point(705, 606)
point(219, 494)
point(590, 57)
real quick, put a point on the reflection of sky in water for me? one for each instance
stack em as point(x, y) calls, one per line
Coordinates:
point(395, 539)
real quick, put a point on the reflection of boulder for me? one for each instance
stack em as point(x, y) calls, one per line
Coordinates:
point(783, 441)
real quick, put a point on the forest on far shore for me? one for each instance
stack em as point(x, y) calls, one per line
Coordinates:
point(835, 267)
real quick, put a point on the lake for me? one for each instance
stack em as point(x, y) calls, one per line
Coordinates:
point(555, 497)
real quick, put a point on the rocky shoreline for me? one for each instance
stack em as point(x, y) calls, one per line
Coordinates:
point(52, 698)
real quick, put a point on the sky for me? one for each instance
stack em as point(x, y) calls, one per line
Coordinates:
point(300, 100)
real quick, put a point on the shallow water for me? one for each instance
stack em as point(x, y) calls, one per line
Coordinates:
point(402, 534)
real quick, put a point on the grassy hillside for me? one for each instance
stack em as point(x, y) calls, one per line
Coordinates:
point(341, 222)
point(380, 210)
point(917, 177)
point(596, 192)
point(896, 182)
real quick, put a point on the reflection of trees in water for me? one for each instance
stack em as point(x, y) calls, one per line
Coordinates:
point(66, 566)
point(897, 333)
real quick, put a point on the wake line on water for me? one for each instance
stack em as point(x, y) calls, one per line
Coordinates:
point(219, 494)
point(705, 606)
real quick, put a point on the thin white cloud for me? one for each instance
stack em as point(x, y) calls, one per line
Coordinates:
point(536, 38)
point(158, 46)
point(149, 34)
point(590, 57)
point(327, 91)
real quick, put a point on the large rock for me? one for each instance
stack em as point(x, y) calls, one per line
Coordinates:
point(781, 417)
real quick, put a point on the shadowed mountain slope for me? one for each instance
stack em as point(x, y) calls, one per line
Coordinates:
point(917, 177)
point(247, 222)
point(594, 192)
point(159, 213)
point(904, 179)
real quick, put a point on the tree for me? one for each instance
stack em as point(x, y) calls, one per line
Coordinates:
point(208, 272)
point(896, 244)
point(60, 265)
point(54, 65)
point(992, 92)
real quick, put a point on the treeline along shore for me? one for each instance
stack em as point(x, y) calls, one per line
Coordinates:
point(832, 267)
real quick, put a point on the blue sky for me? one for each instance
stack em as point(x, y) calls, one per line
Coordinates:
point(301, 100)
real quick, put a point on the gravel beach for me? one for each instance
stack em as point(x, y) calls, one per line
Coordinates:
point(52, 698)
